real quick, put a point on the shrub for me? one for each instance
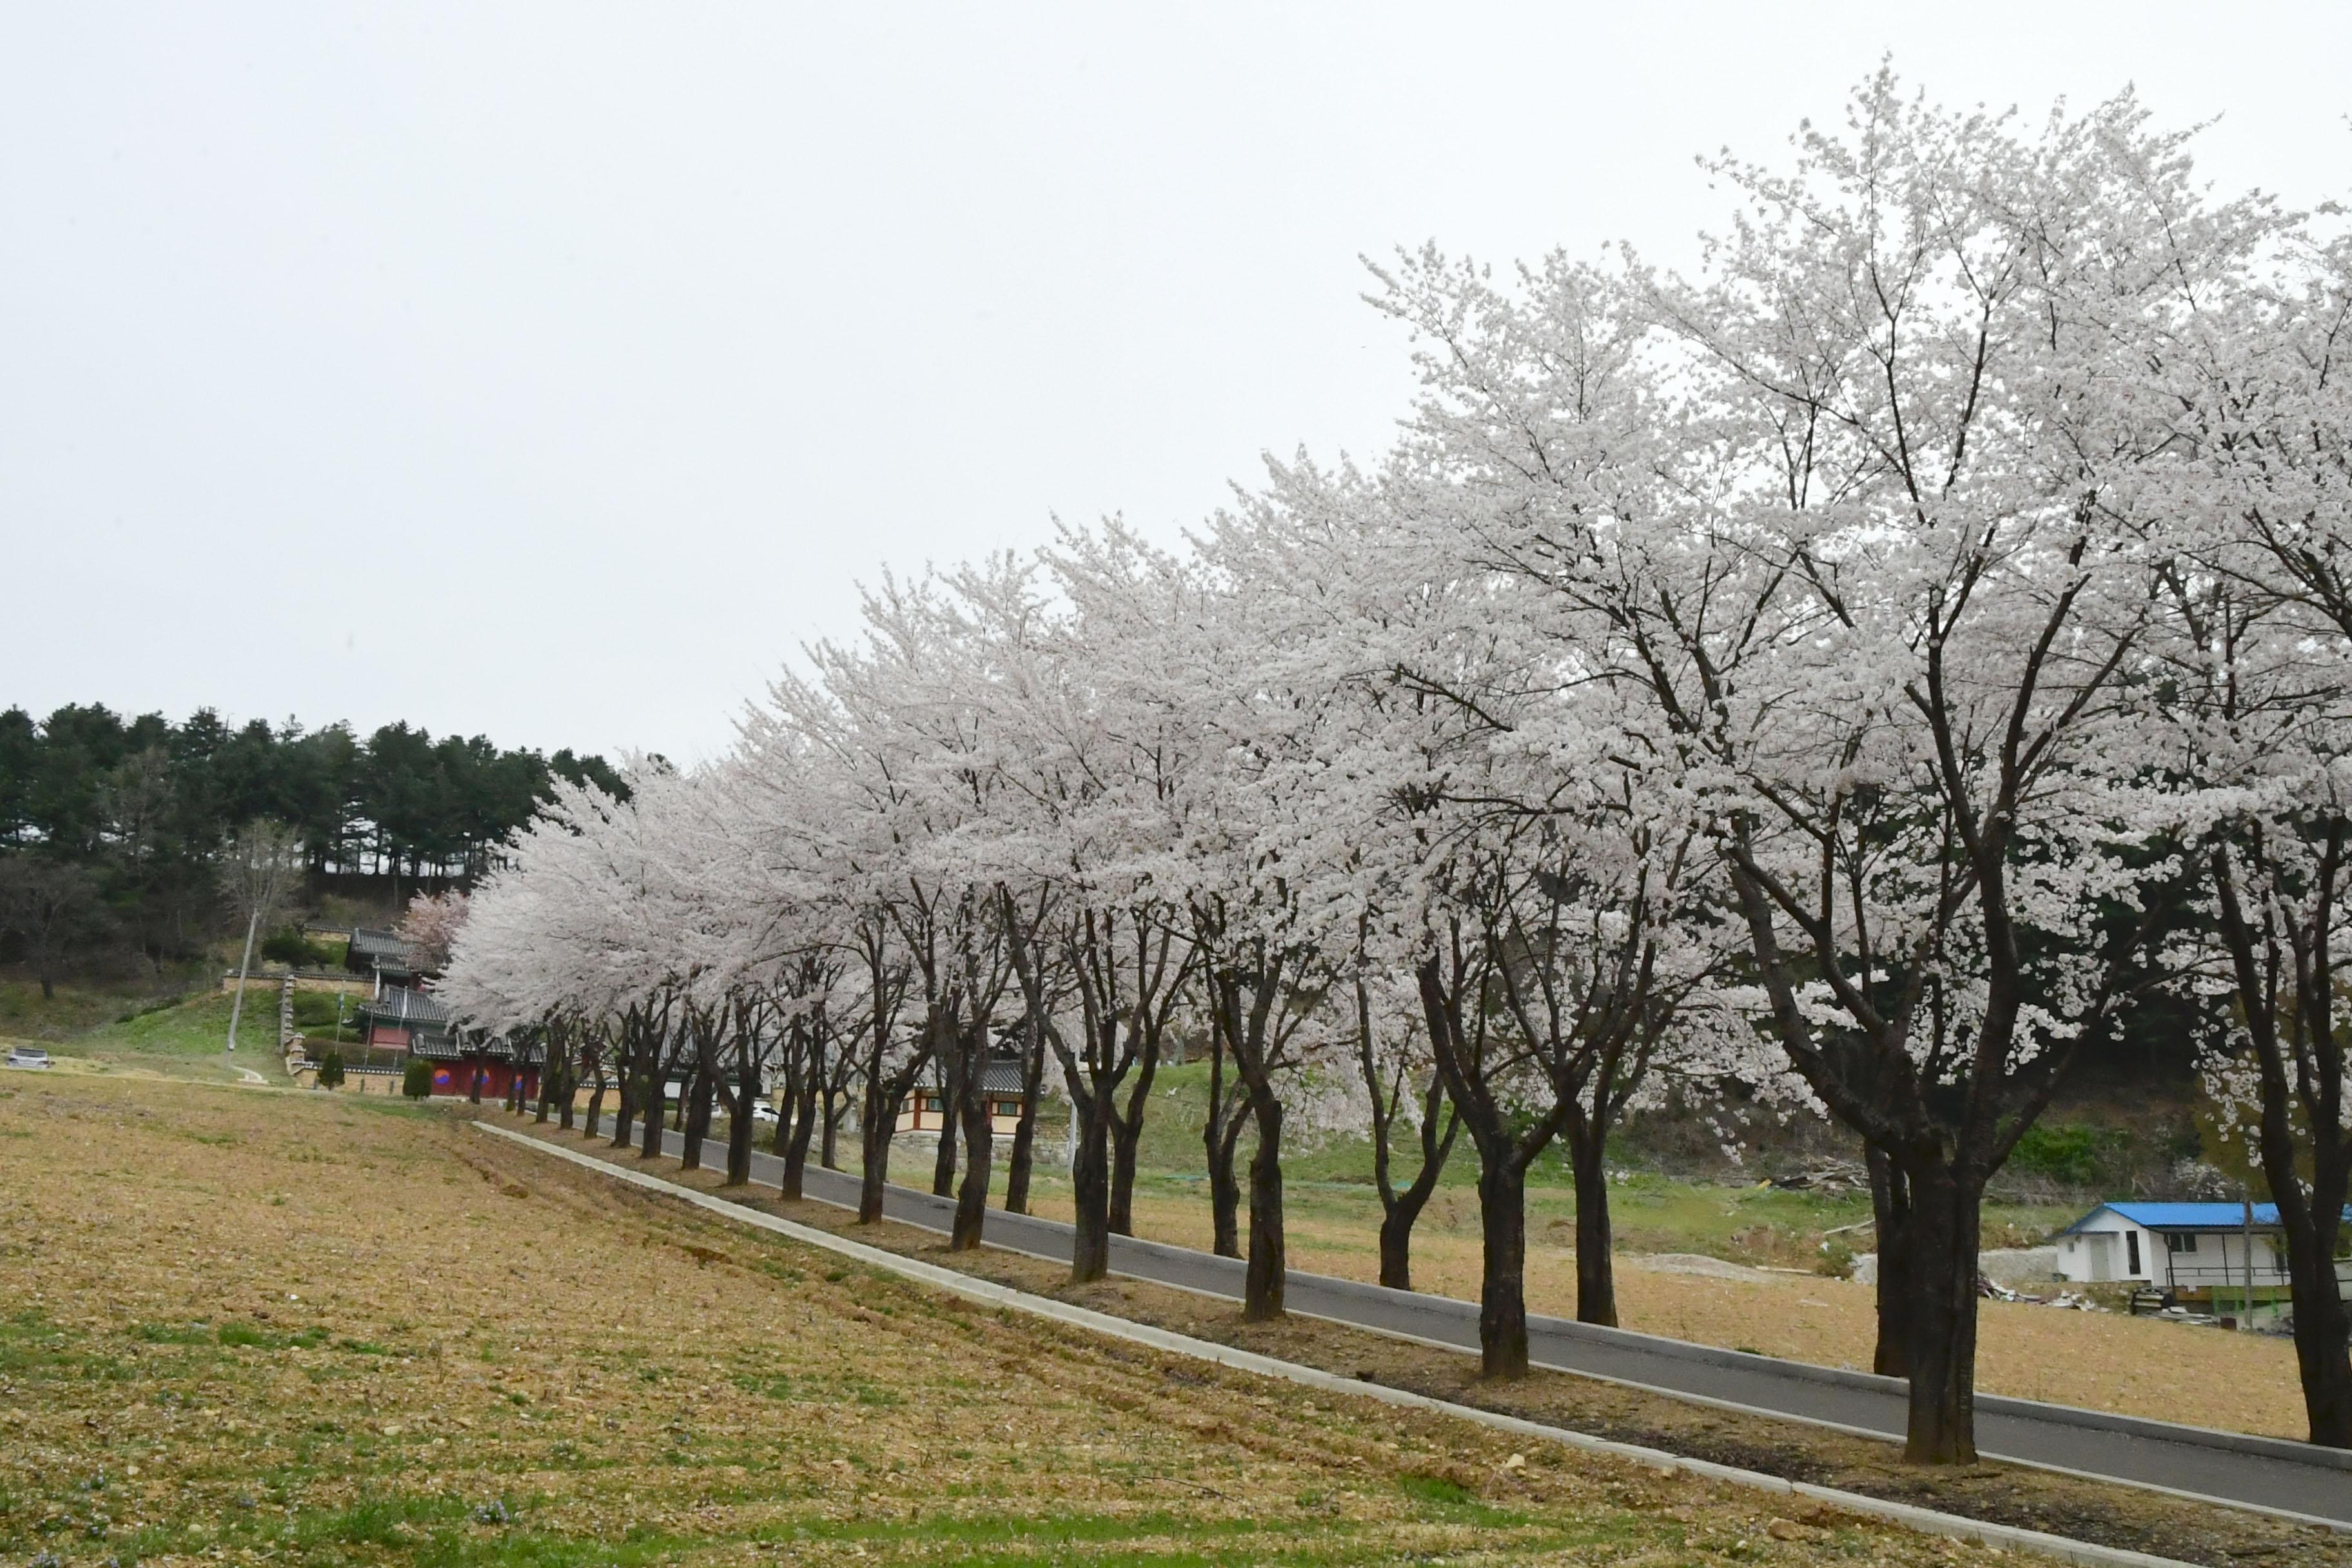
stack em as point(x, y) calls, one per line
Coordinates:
point(416, 1081)
point(330, 1070)
point(289, 946)
point(314, 1009)
point(2068, 1151)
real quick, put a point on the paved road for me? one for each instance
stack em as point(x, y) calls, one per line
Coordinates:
point(2263, 1472)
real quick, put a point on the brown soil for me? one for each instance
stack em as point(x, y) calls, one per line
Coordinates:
point(276, 1326)
point(2083, 1511)
point(2101, 1360)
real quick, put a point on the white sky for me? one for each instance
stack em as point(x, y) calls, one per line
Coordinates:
point(555, 371)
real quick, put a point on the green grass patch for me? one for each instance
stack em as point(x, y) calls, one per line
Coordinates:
point(253, 1336)
point(177, 1333)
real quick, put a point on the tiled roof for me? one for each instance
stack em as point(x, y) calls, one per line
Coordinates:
point(403, 1006)
point(1000, 1077)
point(380, 950)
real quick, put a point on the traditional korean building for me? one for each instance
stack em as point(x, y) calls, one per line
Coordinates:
point(382, 955)
point(475, 1066)
point(925, 1109)
point(396, 1015)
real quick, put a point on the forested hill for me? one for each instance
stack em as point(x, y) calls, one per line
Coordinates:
point(143, 805)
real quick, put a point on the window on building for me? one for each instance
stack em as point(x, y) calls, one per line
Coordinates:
point(2180, 1241)
point(2131, 1250)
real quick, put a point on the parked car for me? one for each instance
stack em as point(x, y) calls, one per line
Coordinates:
point(26, 1057)
point(762, 1112)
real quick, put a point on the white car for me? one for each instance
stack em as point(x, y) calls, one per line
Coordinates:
point(762, 1112)
point(26, 1057)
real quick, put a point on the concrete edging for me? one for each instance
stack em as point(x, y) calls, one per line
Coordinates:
point(1925, 1521)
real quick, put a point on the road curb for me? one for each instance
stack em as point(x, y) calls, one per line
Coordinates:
point(1927, 1521)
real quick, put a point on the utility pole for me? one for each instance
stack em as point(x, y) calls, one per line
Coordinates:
point(261, 860)
point(2246, 1202)
point(243, 967)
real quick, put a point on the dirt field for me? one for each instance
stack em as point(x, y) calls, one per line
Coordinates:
point(250, 1326)
point(2244, 1383)
point(2124, 1517)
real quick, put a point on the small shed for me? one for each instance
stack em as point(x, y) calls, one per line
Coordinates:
point(925, 1108)
point(2223, 1255)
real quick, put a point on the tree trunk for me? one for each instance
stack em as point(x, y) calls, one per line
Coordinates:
point(695, 1121)
point(624, 1113)
point(829, 1153)
point(1224, 1192)
point(654, 1112)
point(877, 1122)
point(595, 1105)
point(1941, 1428)
point(474, 1092)
point(1217, 1144)
point(2310, 1218)
point(1396, 1245)
point(1401, 1211)
point(1090, 1193)
point(951, 1077)
point(1890, 1205)
point(1502, 1286)
point(1025, 1132)
point(803, 1109)
point(740, 1123)
point(1124, 1145)
point(1268, 1256)
point(1596, 1278)
point(2323, 1331)
point(979, 1142)
point(1127, 1135)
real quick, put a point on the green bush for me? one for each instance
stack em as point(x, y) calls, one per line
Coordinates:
point(2066, 1151)
point(416, 1081)
point(290, 946)
point(330, 1070)
point(315, 1010)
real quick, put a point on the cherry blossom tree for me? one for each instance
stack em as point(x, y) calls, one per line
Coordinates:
point(429, 927)
point(2261, 670)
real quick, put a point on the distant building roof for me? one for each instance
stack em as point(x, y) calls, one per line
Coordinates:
point(1000, 1077)
point(2187, 1217)
point(409, 1008)
point(444, 1046)
point(435, 1046)
point(380, 951)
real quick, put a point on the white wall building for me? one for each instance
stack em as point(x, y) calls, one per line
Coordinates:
point(2185, 1246)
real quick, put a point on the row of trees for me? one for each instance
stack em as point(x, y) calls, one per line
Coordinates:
point(110, 825)
point(1854, 673)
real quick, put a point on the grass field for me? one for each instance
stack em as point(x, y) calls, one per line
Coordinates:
point(2129, 1519)
point(185, 1039)
point(82, 1004)
point(1329, 1181)
point(273, 1327)
point(2242, 1383)
point(2103, 1361)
